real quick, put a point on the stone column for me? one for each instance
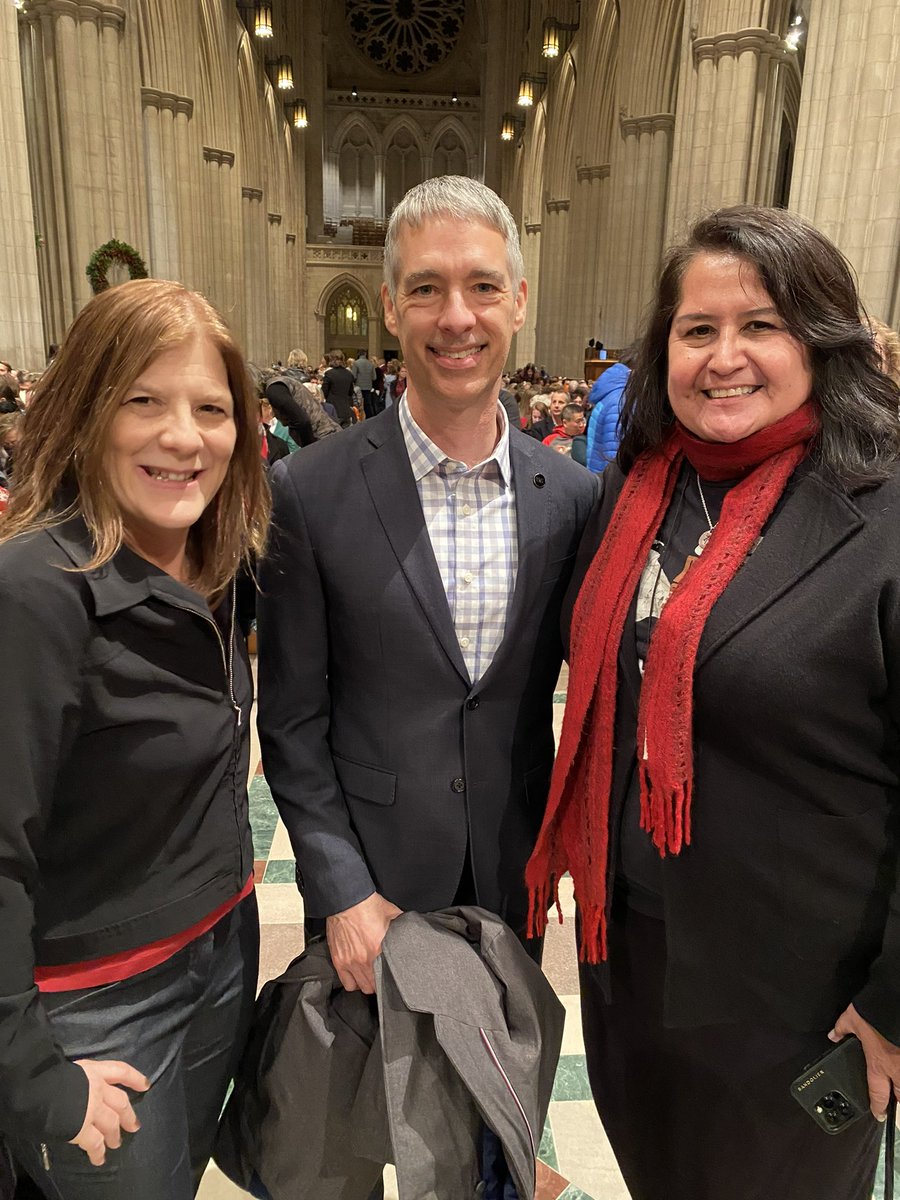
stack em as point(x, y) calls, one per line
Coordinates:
point(583, 283)
point(83, 137)
point(279, 304)
point(635, 230)
point(848, 142)
point(167, 153)
point(253, 225)
point(21, 324)
point(553, 317)
point(725, 138)
point(223, 236)
point(525, 342)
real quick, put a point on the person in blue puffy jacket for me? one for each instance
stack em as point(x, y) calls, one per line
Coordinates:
point(603, 430)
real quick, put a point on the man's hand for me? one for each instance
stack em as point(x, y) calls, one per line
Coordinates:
point(882, 1059)
point(354, 939)
point(109, 1110)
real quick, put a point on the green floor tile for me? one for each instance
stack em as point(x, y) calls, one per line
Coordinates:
point(263, 817)
point(571, 1081)
point(279, 870)
point(547, 1151)
point(574, 1193)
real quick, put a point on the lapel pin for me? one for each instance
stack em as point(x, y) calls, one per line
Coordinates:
point(539, 481)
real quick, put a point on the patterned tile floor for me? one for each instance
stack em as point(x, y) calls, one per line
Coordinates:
point(575, 1160)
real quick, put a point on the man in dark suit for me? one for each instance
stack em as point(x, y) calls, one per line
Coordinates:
point(409, 617)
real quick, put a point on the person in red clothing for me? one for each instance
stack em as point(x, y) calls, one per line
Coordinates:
point(572, 425)
point(130, 934)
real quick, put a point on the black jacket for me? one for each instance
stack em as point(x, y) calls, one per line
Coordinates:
point(470, 1030)
point(786, 905)
point(125, 764)
point(337, 388)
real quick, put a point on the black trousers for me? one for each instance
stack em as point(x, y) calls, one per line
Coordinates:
point(705, 1113)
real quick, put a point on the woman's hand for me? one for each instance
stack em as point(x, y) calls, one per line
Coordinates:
point(109, 1110)
point(882, 1059)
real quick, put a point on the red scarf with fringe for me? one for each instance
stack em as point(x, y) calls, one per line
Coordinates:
point(574, 835)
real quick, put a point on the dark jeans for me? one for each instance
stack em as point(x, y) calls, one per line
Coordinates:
point(369, 402)
point(183, 1024)
point(705, 1113)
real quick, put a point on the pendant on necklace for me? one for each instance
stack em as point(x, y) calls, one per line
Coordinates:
point(703, 541)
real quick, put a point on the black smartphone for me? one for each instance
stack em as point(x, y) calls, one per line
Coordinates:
point(834, 1089)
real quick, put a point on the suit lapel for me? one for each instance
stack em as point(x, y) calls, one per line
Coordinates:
point(395, 496)
point(813, 523)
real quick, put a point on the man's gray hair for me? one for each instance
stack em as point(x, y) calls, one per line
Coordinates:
point(459, 199)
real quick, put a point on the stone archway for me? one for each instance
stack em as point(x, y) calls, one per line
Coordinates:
point(347, 320)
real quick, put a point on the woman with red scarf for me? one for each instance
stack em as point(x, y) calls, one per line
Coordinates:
point(727, 787)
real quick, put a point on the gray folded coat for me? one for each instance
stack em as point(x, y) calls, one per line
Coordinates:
point(465, 1029)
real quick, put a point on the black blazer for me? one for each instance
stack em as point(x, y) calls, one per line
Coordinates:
point(785, 907)
point(383, 760)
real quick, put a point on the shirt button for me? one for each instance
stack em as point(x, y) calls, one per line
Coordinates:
point(473, 702)
point(457, 785)
point(466, 510)
point(468, 577)
point(464, 642)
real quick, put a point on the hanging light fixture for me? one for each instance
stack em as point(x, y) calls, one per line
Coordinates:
point(284, 72)
point(550, 39)
point(354, 92)
point(296, 113)
point(454, 99)
point(511, 127)
point(526, 89)
point(263, 24)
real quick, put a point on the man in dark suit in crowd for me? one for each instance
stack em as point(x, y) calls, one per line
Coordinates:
point(409, 617)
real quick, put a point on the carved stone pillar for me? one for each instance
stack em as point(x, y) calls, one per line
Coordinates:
point(21, 323)
point(634, 239)
point(552, 318)
point(83, 137)
point(726, 139)
point(256, 280)
point(524, 344)
point(848, 142)
point(224, 240)
point(169, 201)
point(583, 285)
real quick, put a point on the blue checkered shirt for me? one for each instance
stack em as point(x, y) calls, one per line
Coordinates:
point(470, 514)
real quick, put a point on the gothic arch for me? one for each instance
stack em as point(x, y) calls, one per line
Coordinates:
point(348, 279)
point(252, 172)
point(454, 124)
point(349, 122)
point(403, 121)
point(560, 157)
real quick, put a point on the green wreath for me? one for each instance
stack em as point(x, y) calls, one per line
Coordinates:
point(107, 254)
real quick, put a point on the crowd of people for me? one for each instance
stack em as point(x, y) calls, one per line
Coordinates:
point(707, 533)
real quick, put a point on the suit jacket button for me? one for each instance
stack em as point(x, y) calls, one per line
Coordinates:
point(473, 702)
point(457, 785)
point(539, 481)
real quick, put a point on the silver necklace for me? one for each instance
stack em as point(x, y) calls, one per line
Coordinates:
point(707, 533)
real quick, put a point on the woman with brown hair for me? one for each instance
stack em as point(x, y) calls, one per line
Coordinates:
point(726, 794)
point(126, 885)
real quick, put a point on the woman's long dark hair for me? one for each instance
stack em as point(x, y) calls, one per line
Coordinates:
point(813, 290)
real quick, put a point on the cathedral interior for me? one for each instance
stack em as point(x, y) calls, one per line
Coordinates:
point(254, 151)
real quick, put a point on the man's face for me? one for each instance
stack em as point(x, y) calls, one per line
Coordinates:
point(455, 312)
point(558, 401)
point(574, 424)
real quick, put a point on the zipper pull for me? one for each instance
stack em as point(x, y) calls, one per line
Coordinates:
point(240, 715)
point(45, 1156)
